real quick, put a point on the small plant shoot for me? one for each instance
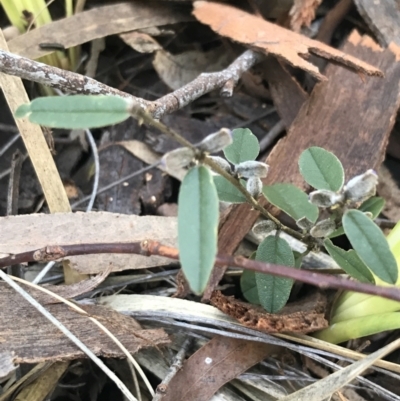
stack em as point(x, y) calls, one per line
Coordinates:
point(333, 208)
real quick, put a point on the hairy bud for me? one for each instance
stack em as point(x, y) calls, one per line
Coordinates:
point(252, 169)
point(324, 198)
point(323, 228)
point(216, 142)
point(222, 163)
point(361, 187)
point(304, 223)
point(178, 158)
point(369, 215)
point(254, 186)
point(263, 228)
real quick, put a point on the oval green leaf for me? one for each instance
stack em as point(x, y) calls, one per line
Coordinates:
point(197, 227)
point(248, 285)
point(273, 292)
point(370, 244)
point(321, 169)
point(244, 146)
point(75, 111)
point(350, 262)
point(292, 200)
point(227, 192)
point(373, 205)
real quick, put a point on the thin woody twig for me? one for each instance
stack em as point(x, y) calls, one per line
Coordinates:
point(57, 78)
point(148, 248)
point(203, 84)
point(162, 388)
point(72, 82)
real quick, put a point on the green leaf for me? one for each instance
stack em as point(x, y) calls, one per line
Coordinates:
point(321, 169)
point(248, 284)
point(291, 200)
point(373, 205)
point(244, 147)
point(338, 232)
point(371, 245)
point(197, 227)
point(76, 111)
point(298, 259)
point(350, 262)
point(227, 192)
point(273, 292)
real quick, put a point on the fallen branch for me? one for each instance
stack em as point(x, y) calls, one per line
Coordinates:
point(149, 248)
point(72, 82)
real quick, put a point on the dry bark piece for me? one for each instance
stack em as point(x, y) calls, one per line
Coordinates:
point(74, 290)
point(269, 38)
point(287, 95)
point(215, 364)
point(302, 13)
point(97, 23)
point(349, 117)
point(32, 338)
point(304, 316)
point(27, 232)
point(383, 18)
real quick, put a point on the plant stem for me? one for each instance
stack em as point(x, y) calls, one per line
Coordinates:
point(253, 202)
point(142, 115)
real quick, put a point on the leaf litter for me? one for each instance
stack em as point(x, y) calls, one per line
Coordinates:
point(40, 230)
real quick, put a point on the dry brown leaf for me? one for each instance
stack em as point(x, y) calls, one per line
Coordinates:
point(178, 70)
point(302, 13)
point(29, 232)
point(98, 23)
point(146, 154)
point(140, 41)
point(32, 338)
point(269, 38)
point(216, 363)
point(303, 316)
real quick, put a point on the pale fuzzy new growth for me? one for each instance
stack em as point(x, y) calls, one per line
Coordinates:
point(263, 228)
point(304, 223)
point(323, 228)
point(216, 142)
point(251, 169)
point(178, 158)
point(324, 198)
point(254, 186)
point(222, 163)
point(361, 187)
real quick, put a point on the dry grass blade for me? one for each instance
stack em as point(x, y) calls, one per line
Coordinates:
point(326, 387)
point(96, 23)
point(35, 144)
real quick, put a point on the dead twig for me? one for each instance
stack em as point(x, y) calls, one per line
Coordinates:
point(149, 248)
point(72, 82)
point(205, 83)
point(173, 370)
